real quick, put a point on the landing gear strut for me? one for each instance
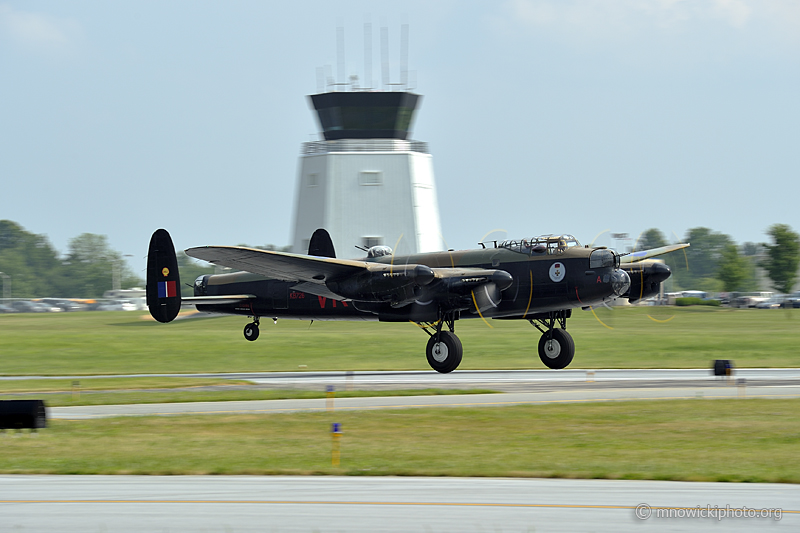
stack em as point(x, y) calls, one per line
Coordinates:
point(444, 349)
point(556, 347)
point(251, 330)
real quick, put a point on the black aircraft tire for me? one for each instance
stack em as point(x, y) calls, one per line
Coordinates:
point(251, 331)
point(558, 352)
point(444, 356)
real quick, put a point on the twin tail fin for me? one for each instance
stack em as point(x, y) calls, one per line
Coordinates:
point(163, 288)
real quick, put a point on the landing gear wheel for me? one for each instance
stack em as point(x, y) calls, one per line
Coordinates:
point(445, 355)
point(251, 331)
point(558, 351)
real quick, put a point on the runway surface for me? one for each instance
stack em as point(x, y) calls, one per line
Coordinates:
point(123, 504)
point(524, 386)
point(505, 380)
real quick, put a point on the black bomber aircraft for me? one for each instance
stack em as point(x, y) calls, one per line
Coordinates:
point(540, 280)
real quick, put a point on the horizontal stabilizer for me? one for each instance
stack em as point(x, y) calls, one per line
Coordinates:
point(218, 300)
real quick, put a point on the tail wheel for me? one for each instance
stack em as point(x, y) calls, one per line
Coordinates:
point(556, 352)
point(445, 354)
point(251, 331)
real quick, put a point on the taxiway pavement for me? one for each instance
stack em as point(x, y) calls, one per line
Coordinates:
point(523, 386)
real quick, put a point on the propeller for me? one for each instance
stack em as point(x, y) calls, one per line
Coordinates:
point(647, 278)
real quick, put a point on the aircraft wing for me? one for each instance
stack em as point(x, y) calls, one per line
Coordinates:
point(635, 257)
point(349, 279)
point(279, 265)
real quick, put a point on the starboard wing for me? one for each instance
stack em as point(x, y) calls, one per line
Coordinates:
point(635, 257)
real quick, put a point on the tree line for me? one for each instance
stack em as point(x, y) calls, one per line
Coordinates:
point(34, 269)
point(716, 263)
point(31, 268)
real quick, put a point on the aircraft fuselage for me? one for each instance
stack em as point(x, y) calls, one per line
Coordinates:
point(541, 283)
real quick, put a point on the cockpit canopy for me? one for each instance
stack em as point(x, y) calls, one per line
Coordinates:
point(543, 244)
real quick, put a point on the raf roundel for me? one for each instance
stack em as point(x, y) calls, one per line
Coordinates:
point(557, 272)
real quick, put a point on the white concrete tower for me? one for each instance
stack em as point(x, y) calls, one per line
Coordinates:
point(366, 183)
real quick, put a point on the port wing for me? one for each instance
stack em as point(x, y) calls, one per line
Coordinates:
point(279, 265)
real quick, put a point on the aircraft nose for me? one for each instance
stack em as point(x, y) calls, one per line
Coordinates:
point(620, 282)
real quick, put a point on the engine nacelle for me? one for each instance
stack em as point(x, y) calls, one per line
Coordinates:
point(646, 279)
point(384, 283)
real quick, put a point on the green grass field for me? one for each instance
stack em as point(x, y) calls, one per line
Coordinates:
point(127, 342)
point(715, 440)
point(745, 440)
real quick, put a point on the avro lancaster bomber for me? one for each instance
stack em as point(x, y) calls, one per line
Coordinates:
point(541, 280)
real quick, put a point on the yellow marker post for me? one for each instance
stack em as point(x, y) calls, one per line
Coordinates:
point(336, 434)
point(331, 392)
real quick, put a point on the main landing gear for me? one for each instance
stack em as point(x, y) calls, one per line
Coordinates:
point(444, 349)
point(556, 347)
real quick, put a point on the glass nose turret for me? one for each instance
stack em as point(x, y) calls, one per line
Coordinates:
point(620, 282)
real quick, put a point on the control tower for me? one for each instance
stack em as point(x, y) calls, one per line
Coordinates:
point(366, 182)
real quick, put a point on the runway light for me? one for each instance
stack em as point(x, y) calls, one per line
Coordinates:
point(336, 434)
point(331, 392)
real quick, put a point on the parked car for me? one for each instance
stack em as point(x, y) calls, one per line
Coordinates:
point(793, 300)
point(751, 299)
point(7, 309)
point(773, 303)
point(64, 304)
point(26, 306)
point(116, 305)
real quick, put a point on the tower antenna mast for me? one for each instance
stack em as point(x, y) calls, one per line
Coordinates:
point(368, 55)
point(404, 56)
point(385, 56)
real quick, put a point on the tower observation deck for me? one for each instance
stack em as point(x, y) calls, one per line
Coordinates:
point(367, 183)
point(365, 115)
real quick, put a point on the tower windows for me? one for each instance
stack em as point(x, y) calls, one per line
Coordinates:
point(370, 177)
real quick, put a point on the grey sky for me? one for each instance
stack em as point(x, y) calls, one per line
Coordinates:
point(573, 116)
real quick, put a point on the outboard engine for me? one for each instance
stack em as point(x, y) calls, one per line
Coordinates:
point(646, 278)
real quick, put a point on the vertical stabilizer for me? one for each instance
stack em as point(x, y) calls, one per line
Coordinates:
point(321, 244)
point(163, 280)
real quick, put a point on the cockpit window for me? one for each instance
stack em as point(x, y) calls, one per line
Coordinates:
point(602, 259)
point(544, 244)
